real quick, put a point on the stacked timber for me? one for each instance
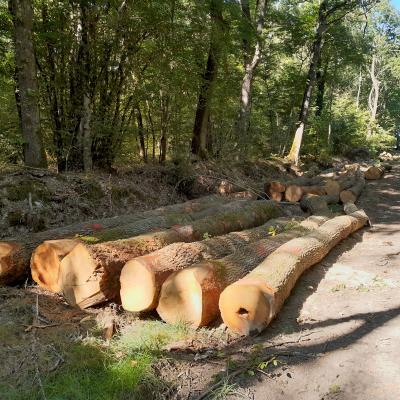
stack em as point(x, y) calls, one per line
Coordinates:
point(191, 295)
point(351, 194)
point(90, 273)
point(45, 260)
point(15, 254)
point(252, 302)
point(141, 278)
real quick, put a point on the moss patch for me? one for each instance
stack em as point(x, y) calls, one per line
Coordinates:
point(20, 190)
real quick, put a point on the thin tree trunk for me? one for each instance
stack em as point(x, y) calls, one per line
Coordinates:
point(373, 97)
point(243, 122)
point(321, 80)
point(142, 146)
point(200, 129)
point(359, 90)
point(294, 153)
point(22, 13)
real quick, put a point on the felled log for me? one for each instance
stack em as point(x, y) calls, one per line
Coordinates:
point(252, 302)
point(294, 193)
point(191, 295)
point(142, 277)
point(45, 261)
point(374, 172)
point(318, 205)
point(90, 274)
point(15, 255)
point(352, 194)
point(274, 190)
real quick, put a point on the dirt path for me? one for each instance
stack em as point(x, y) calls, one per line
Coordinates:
point(338, 337)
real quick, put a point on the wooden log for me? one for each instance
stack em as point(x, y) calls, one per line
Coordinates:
point(45, 261)
point(15, 255)
point(89, 274)
point(142, 277)
point(252, 302)
point(374, 172)
point(318, 205)
point(191, 295)
point(293, 193)
point(351, 195)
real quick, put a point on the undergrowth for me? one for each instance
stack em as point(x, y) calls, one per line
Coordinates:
point(95, 369)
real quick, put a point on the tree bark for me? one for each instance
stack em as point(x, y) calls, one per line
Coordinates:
point(294, 153)
point(139, 122)
point(200, 128)
point(15, 255)
point(33, 149)
point(352, 194)
point(373, 98)
point(44, 261)
point(250, 65)
point(252, 302)
point(142, 278)
point(90, 274)
point(191, 295)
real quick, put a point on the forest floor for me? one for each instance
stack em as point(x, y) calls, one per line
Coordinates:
point(337, 336)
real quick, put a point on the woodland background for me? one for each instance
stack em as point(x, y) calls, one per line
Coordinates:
point(111, 83)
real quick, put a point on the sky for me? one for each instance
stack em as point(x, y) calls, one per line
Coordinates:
point(396, 3)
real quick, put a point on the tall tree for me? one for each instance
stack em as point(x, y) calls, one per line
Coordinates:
point(329, 13)
point(250, 64)
point(201, 123)
point(27, 86)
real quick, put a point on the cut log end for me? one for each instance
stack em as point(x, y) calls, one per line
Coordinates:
point(244, 308)
point(374, 172)
point(138, 287)
point(77, 277)
point(181, 299)
point(293, 193)
point(45, 262)
point(7, 249)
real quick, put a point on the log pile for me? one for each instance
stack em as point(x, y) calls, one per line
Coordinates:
point(252, 302)
point(89, 273)
point(46, 257)
point(191, 295)
point(141, 278)
point(15, 255)
point(231, 256)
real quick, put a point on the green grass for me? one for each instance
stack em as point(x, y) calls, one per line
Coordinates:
point(94, 369)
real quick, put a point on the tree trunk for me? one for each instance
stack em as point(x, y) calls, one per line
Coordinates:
point(252, 302)
point(15, 255)
point(33, 149)
point(373, 98)
point(321, 80)
point(90, 274)
point(294, 153)
point(191, 295)
point(142, 146)
point(200, 128)
point(142, 278)
point(243, 122)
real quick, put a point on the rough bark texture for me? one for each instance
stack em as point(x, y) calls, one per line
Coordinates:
point(89, 275)
point(251, 303)
point(200, 128)
point(191, 295)
point(351, 195)
point(22, 14)
point(294, 153)
point(142, 277)
point(15, 261)
point(44, 265)
point(374, 172)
